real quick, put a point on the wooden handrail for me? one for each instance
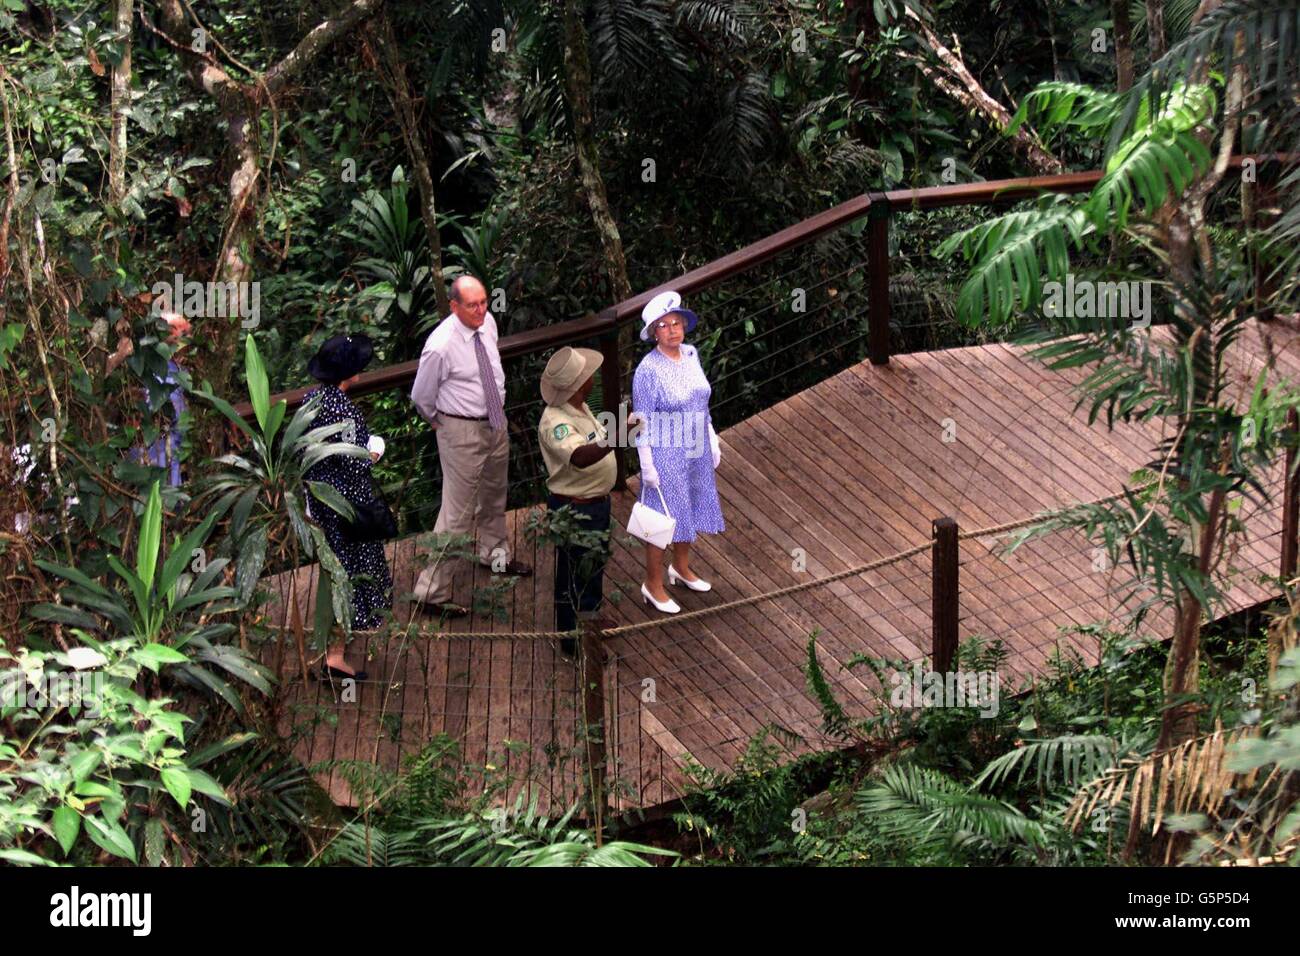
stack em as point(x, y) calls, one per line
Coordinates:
point(610, 320)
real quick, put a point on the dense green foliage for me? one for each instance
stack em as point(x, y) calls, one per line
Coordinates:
point(292, 163)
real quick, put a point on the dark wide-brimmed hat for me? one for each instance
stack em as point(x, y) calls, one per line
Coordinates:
point(340, 358)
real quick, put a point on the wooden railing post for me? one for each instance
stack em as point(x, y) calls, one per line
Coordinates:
point(611, 392)
point(943, 552)
point(1266, 177)
point(591, 678)
point(1290, 502)
point(878, 214)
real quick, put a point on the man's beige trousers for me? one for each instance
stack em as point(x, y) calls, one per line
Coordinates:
point(475, 460)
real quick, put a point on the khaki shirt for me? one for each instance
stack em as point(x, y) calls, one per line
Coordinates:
point(564, 429)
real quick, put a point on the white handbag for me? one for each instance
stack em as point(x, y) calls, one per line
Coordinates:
point(651, 526)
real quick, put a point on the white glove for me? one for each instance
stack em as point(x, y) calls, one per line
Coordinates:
point(649, 475)
point(376, 446)
point(715, 445)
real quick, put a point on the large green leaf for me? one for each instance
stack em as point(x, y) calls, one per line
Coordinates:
point(177, 782)
point(205, 785)
point(67, 824)
point(136, 585)
point(252, 557)
point(111, 837)
point(259, 391)
point(182, 553)
point(226, 409)
point(62, 614)
point(153, 656)
point(1011, 254)
point(274, 420)
point(149, 540)
point(329, 495)
point(72, 574)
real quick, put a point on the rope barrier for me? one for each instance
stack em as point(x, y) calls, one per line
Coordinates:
point(768, 595)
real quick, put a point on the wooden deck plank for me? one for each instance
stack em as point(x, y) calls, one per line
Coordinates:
point(1027, 496)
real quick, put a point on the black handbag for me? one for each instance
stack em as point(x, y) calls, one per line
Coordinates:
point(373, 520)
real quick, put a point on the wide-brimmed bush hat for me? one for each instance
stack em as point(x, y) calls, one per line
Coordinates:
point(661, 305)
point(566, 371)
point(340, 358)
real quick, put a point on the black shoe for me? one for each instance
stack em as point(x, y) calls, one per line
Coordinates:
point(327, 673)
point(517, 568)
point(447, 609)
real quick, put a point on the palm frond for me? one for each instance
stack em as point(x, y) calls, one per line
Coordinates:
point(1066, 760)
point(1158, 160)
point(1271, 29)
point(1190, 778)
point(630, 39)
point(745, 122)
point(729, 20)
point(1010, 253)
point(1058, 103)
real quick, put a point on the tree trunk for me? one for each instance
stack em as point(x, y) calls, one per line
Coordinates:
point(241, 106)
point(859, 18)
point(1156, 29)
point(120, 103)
point(393, 71)
point(1123, 25)
point(1182, 668)
point(577, 75)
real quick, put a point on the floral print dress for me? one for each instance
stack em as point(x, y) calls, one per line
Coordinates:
point(364, 561)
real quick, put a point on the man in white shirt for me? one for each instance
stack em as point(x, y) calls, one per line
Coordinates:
point(460, 390)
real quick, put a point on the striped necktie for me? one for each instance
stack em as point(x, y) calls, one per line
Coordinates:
point(496, 414)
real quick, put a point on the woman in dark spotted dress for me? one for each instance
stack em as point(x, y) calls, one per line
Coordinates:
point(336, 366)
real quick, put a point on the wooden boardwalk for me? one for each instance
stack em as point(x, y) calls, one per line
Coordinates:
point(853, 469)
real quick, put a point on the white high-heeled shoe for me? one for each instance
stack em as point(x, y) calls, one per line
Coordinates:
point(699, 584)
point(668, 607)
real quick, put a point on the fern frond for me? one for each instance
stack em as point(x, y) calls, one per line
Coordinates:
point(835, 721)
point(932, 812)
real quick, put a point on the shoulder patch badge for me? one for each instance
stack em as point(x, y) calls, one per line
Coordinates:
point(560, 431)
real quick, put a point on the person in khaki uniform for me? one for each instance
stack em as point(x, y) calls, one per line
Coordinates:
point(576, 451)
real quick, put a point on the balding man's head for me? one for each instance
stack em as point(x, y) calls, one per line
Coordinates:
point(469, 301)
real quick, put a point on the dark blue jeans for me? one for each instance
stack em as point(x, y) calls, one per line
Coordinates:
point(580, 571)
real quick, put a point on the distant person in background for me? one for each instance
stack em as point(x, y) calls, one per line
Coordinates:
point(460, 390)
point(582, 473)
point(337, 366)
point(671, 395)
point(165, 452)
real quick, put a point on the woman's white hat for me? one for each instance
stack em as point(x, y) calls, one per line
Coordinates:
point(661, 305)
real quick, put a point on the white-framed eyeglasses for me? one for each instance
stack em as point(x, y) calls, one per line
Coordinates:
point(669, 324)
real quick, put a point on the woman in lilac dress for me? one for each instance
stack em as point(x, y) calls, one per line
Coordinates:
point(677, 445)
